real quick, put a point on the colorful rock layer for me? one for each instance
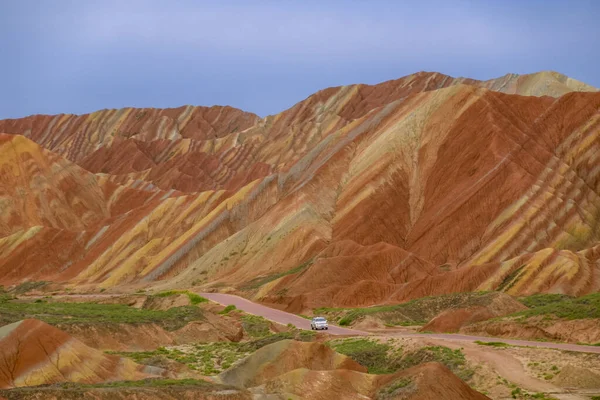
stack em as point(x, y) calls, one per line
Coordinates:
point(357, 195)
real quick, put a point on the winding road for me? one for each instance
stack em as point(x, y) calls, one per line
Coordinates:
point(272, 314)
point(285, 318)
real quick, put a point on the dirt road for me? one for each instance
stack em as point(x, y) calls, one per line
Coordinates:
point(285, 318)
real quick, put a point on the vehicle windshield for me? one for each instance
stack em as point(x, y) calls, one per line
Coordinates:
point(320, 319)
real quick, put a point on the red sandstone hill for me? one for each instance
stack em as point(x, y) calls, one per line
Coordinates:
point(357, 195)
point(34, 353)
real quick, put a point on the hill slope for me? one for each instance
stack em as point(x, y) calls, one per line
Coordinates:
point(357, 195)
point(34, 353)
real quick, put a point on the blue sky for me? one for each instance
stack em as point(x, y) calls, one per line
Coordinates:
point(63, 56)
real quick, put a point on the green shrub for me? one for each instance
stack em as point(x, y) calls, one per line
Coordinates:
point(228, 309)
point(368, 353)
point(492, 344)
point(194, 298)
point(255, 326)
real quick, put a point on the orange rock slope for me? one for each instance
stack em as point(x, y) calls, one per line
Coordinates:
point(356, 195)
point(34, 353)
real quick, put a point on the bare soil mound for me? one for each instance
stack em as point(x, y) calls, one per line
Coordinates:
point(453, 320)
point(571, 376)
point(121, 337)
point(571, 331)
point(494, 305)
point(165, 303)
point(368, 323)
point(284, 356)
point(431, 381)
point(35, 353)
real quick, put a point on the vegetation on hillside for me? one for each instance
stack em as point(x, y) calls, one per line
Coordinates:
point(379, 358)
point(540, 300)
point(255, 326)
point(396, 389)
point(414, 312)
point(56, 313)
point(561, 306)
point(228, 309)
point(420, 311)
point(212, 358)
point(194, 298)
point(385, 358)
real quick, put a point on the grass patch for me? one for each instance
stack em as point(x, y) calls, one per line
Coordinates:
point(195, 299)
point(562, 306)
point(258, 282)
point(453, 359)
point(492, 344)
point(379, 358)
point(255, 326)
point(55, 313)
point(305, 336)
point(208, 359)
point(228, 309)
point(540, 300)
